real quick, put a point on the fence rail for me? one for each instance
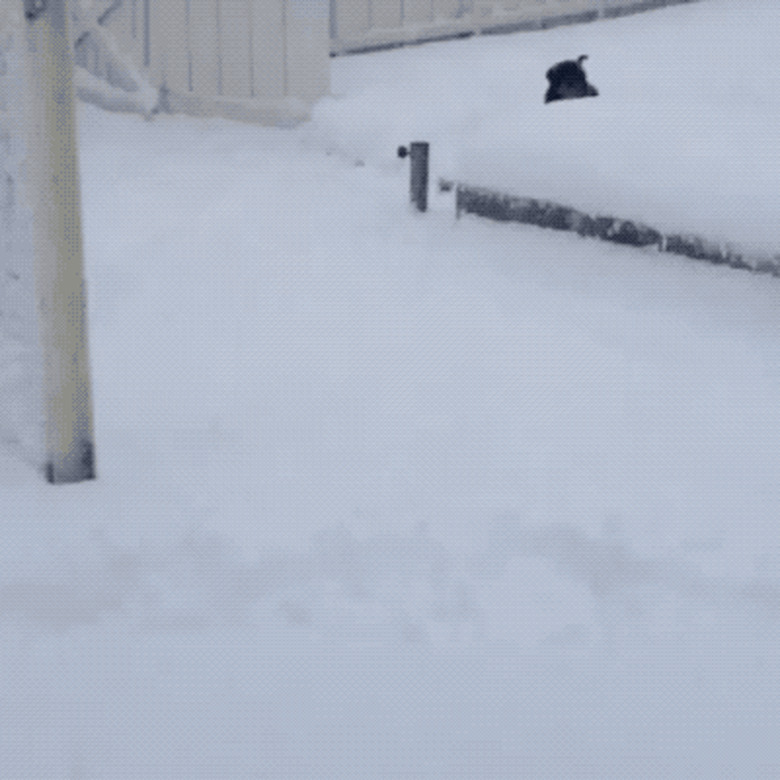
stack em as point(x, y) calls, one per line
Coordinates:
point(363, 25)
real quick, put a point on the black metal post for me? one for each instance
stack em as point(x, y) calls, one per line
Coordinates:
point(418, 154)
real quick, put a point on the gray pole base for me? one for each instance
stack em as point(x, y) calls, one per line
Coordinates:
point(73, 466)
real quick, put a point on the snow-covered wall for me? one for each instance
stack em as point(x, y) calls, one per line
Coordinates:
point(21, 408)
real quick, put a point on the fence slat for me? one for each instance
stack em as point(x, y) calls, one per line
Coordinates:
point(125, 26)
point(306, 24)
point(268, 48)
point(352, 18)
point(386, 14)
point(171, 44)
point(203, 47)
point(234, 48)
point(448, 9)
point(418, 11)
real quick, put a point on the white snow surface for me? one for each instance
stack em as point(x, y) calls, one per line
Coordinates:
point(383, 494)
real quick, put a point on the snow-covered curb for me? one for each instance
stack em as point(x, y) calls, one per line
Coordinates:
point(503, 207)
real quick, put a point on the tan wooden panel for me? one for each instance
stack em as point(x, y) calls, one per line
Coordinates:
point(586, 5)
point(234, 48)
point(170, 45)
point(352, 18)
point(155, 45)
point(418, 11)
point(308, 46)
point(570, 7)
point(449, 9)
point(203, 47)
point(126, 26)
point(267, 30)
point(386, 13)
point(135, 12)
point(523, 10)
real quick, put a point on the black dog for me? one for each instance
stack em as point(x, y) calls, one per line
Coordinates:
point(568, 80)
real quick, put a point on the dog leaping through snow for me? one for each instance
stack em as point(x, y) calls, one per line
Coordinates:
point(568, 80)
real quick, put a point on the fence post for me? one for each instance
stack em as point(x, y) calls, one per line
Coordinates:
point(54, 199)
point(418, 180)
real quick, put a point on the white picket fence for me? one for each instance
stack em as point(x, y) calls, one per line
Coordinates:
point(360, 25)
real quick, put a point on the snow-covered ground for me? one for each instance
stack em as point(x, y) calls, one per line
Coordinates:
point(389, 495)
point(682, 135)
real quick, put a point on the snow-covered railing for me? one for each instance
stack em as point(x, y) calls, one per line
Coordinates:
point(505, 207)
point(362, 25)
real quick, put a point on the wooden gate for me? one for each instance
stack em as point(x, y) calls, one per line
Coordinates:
point(259, 60)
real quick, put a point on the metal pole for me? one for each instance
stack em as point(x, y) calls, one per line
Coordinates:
point(55, 200)
point(418, 155)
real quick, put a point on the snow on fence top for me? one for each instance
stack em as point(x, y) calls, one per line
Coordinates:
point(362, 25)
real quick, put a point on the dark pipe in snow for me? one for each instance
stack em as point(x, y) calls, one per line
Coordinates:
point(418, 184)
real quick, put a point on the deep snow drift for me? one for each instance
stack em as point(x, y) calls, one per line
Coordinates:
point(681, 135)
point(384, 494)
